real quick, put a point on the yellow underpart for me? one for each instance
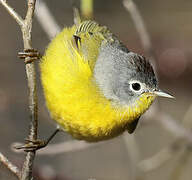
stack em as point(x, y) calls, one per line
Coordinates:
point(74, 100)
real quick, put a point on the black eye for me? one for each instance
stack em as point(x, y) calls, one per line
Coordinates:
point(136, 86)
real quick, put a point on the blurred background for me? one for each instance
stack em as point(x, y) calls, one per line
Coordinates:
point(169, 25)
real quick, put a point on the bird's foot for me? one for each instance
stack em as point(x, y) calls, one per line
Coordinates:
point(30, 55)
point(32, 145)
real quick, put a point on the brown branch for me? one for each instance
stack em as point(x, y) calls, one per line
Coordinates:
point(26, 28)
point(9, 165)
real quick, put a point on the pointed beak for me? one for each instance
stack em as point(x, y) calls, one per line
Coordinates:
point(162, 94)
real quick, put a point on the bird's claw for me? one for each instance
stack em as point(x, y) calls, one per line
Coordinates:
point(29, 55)
point(32, 145)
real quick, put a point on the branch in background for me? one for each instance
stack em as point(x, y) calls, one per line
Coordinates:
point(184, 159)
point(179, 171)
point(9, 165)
point(71, 146)
point(12, 12)
point(87, 9)
point(160, 158)
point(43, 16)
point(64, 147)
point(164, 119)
point(183, 140)
point(141, 28)
point(168, 123)
point(26, 29)
point(133, 152)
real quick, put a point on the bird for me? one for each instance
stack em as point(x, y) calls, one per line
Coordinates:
point(95, 88)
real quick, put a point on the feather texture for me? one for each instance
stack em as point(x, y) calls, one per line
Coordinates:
point(72, 96)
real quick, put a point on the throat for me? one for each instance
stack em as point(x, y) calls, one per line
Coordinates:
point(128, 113)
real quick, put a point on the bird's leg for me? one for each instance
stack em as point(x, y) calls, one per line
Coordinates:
point(33, 145)
point(29, 55)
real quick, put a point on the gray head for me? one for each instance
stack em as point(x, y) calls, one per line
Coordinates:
point(123, 76)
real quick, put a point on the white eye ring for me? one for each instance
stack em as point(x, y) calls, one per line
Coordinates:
point(136, 86)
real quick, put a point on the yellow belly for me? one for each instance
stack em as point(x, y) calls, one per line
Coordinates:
point(74, 100)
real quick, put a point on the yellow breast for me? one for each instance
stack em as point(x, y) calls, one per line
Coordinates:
point(75, 101)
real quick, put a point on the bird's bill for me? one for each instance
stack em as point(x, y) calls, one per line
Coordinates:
point(162, 94)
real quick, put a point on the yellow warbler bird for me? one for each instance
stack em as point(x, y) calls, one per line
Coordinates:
point(94, 87)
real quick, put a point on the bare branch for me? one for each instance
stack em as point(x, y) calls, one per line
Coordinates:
point(76, 16)
point(172, 126)
point(9, 165)
point(168, 123)
point(12, 12)
point(180, 169)
point(140, 27)
point(64, 147)
point(31, 78)
point(161, 157)
point(44, 15)
point(133, 152)
point(87, 9)
point(183, 138)
point(30, 12)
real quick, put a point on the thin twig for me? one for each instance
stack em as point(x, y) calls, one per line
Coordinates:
point(87, 9)
point(180, 170)
point(70, 146)
point(76, 16)
point(160, 158)
point(12, 12)
point(133, 152)
point(26, 28)
point(172, 126)
point(43, 16)
point(9, 165)
point(183, 136)
point(168, 123)
point(141, 28)
point(64, 147)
